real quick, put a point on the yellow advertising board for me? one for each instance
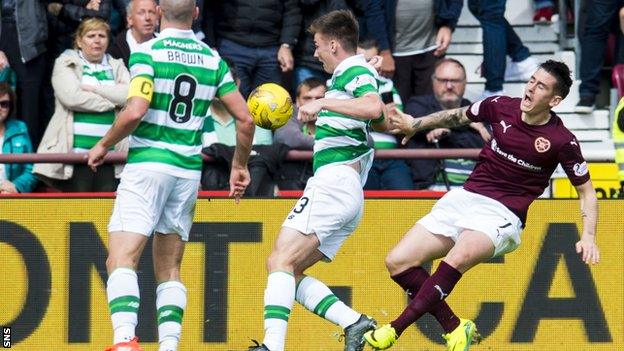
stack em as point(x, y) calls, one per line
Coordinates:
point(604, 178)
point(540, 297)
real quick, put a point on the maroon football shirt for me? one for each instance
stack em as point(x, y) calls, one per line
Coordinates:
point(515, 167)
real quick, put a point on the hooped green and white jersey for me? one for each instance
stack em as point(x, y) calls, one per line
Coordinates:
point(339, 138)
point(186, 76)
point(90, 127)
point(384, 140)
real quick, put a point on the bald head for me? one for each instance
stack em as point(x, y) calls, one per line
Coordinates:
point(178, 11)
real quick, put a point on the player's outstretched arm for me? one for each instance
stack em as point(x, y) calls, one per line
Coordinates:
point(365, 107)
point(408, 125)
point(126, 122)
point(239, 174)
point(587, 247)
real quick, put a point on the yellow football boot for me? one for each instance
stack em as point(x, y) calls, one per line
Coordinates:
point(382, 337)
point(463, 336)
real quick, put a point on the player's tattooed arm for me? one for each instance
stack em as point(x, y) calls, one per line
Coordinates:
point(442, 119)
point(408, 125)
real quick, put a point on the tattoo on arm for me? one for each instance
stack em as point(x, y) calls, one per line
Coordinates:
point(450, 118)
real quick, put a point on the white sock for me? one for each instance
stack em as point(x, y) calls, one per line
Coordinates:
point(279, 297)
point(122, 289)
point(170, 305)
point(317, 297)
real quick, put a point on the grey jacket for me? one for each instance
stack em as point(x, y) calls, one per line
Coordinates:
point(32, 28)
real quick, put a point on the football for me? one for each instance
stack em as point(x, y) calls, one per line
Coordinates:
point(270, 106)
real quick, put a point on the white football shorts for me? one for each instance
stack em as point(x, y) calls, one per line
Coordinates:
point(460, 209)
point(331, 207)
point(149, 201)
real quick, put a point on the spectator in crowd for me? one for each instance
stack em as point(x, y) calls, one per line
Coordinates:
point(600, 18)
point(219, 141)
point(500, 40)
point(22, 48)
point(306, 65)
point(449, 84)
point(118, 17)
point(373, 23)
point(389, 174)
point(419, 40)
point(298, 135)
point(258, 35)
point(142, 22)
point(544, 10)
point(66, 15)
point(618, 139)
point(14, 177)
point(90, 86)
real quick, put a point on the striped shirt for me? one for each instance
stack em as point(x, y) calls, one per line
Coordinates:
point(385, 140)
point(187, 75)
point(339, 138)
point(90, 127)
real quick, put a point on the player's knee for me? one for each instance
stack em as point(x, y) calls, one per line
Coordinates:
point(279, 261)
point(459, 259)
point(113, 262)
point(394, 263)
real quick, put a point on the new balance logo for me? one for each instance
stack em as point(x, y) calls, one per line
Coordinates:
point(442, 294)
point(505, 126)
point(165, 314)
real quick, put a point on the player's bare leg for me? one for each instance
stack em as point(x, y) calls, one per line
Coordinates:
point(315, 296)
point(122, 287)
point(167, 250)
point(290, 251)
point(471, 248)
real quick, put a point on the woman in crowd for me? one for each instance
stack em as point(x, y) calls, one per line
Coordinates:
point(14, 139)
point(89, 86)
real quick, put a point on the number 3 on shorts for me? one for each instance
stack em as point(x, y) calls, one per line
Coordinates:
point(301, 204)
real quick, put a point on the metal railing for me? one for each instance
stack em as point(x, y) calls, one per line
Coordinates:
point(293, 155)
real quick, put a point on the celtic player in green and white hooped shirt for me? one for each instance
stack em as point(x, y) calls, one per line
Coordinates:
point(174, 79)
point(187, 75)
point(341, 138)
point(332, 203)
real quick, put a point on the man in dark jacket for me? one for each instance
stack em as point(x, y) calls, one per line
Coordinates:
point(142, 22)
point(418, 40)
point(306, 65)
point(449, 84)
point(22, 44)
point(258, 35)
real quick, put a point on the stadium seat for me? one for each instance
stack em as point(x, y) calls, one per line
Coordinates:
point(617, 79)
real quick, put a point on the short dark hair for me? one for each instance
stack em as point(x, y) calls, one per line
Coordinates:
point(561, 72)
point(340, 25)
point(311, 83)
point(449, 60)
point(5, 89)
point(368, 43)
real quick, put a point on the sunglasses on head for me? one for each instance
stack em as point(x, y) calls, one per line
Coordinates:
point(5, 104)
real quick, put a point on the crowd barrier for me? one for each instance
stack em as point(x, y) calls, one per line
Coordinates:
point(540, 297)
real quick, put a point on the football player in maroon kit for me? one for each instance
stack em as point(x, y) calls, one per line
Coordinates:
point(484, 219)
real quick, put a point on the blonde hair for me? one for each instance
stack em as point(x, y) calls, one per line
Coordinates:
point(88, 25)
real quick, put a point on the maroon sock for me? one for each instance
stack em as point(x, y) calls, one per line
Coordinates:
point(411, 280)
point(435, 289)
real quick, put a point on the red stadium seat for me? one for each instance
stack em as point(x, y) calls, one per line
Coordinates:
point(617, 79)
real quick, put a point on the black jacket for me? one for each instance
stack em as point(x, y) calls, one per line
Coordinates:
point(119, 48)
point(311, 10)
point(424, 170)
point(32, 28)
point(255, 23)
